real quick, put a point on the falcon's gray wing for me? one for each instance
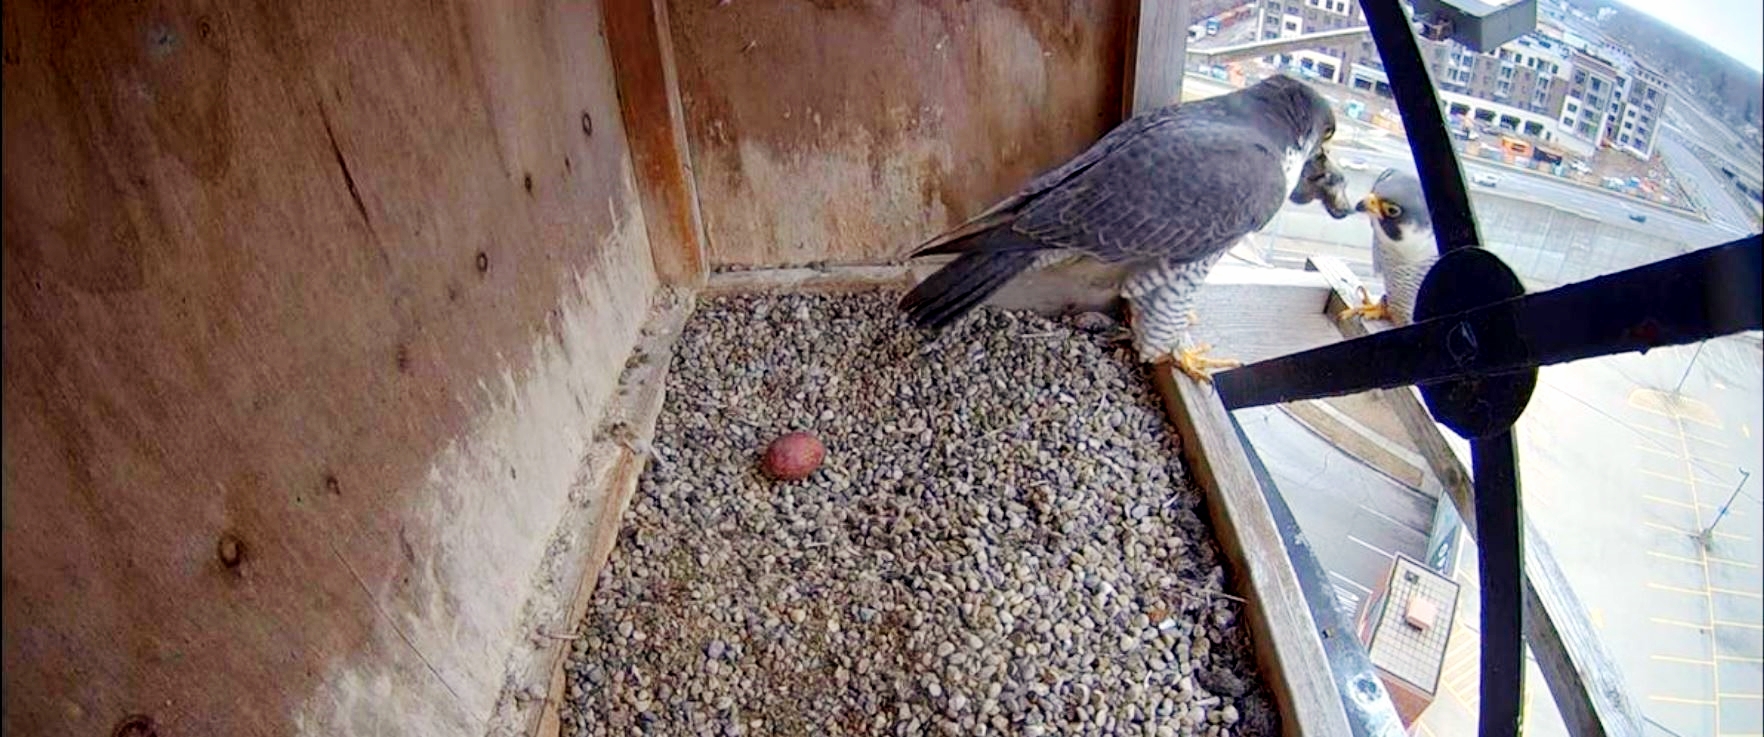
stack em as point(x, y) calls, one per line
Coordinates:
point(1129, 130)
point(1164, 197)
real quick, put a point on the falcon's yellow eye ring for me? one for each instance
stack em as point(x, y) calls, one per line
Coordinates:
point(1392, 210)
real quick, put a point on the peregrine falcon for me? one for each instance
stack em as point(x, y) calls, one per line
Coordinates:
point(1165, 194)
point(1403, 248)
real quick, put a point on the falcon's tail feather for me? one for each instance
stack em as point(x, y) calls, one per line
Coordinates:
point(988, 261)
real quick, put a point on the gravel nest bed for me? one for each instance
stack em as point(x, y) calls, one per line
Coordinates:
point(1001, 541)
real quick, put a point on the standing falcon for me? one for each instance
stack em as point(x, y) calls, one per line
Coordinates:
point(1166, 194)
point(1403, 249)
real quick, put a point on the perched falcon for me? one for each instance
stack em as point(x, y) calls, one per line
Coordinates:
point(1403, 249)
point(1166, 194)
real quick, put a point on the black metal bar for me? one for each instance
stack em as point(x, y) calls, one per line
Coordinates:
point(1500, 547)
point(1442, 181)
point(1699, 295)
point(1370, 712)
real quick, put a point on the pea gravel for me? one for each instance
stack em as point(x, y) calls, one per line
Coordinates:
point(1001, 541)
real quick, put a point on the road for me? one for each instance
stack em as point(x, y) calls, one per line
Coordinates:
point(1710, 188)
point(1389, 150)
point(1355, 517)
point(1550, 232)
point(1507, 213)
point(1688, 116)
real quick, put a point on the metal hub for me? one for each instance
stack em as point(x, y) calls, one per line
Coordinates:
point(1464, 279)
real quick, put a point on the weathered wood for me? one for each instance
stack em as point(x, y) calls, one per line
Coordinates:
point(1075, 287)
point(1404, 402)
point(850, 132)
point(1158, 57)
point(613, 465)
point(825, 279)
point(1250, 313)
point(655, 127)
point(1588, 686)
point(1288, 649)
point(344, 285)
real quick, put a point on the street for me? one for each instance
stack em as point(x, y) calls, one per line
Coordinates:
point(1390, 151)
point(1708, 187)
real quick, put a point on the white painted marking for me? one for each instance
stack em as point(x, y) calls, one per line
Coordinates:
point(1370, 546)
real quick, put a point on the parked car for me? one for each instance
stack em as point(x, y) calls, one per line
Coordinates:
point(1484, 179)
point(1355, 164)
point(1638, 217)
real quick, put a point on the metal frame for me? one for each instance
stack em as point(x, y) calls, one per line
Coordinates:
point(1485, 353)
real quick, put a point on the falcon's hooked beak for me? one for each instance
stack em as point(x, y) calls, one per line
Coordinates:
point(1372, 204)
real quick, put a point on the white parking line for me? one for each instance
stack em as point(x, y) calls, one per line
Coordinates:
point(1370, 546)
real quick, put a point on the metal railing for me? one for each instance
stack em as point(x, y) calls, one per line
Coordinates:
point(1474, 352)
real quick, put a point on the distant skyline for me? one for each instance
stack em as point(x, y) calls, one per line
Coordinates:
point(1733, 27)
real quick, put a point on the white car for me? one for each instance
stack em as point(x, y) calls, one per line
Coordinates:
point(1355, 164)
point(1485, 179)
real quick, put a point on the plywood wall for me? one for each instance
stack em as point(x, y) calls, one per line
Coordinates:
point(309, 310)
point(848, 132)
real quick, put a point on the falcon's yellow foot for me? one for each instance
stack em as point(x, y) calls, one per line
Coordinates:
point(1191, 361)
point(1367, 309)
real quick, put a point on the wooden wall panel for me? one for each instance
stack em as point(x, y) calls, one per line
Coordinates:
point(309, 311)
point(849, 131)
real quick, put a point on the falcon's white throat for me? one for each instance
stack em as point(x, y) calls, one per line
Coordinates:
point(1293, 165)
point(1416, 243)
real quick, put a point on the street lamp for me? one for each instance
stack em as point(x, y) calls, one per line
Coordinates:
point(1688, 367)
point(1708, 534)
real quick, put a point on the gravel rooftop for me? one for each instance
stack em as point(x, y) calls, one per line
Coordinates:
point(1001, 541)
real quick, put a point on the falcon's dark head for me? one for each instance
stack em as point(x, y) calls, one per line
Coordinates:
point(1398, 210)
point(1298, 113)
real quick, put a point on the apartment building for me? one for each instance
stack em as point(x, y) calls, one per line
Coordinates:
point(1613, 101)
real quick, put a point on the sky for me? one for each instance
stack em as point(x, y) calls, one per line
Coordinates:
point(1734, 27)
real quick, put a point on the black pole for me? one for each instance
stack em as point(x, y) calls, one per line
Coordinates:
point(1500, 548)
point(1687, 369)
point(1430, 143)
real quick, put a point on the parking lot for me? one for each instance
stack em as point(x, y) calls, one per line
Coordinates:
point(1623, 474)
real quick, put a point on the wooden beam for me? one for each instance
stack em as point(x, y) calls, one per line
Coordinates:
point(1588, 687)
point(1404, 402)
point(614, 464)
point(655, 131)
point(1288, 648)
point(1157, 58)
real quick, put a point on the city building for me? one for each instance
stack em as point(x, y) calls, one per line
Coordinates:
point(1289, 18)
point(1553, 85)
point(1612, 101)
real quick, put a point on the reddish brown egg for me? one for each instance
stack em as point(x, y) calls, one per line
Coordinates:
point(793, 457)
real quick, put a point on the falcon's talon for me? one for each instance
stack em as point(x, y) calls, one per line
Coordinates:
point(1367, 309)
point(1192, 362)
